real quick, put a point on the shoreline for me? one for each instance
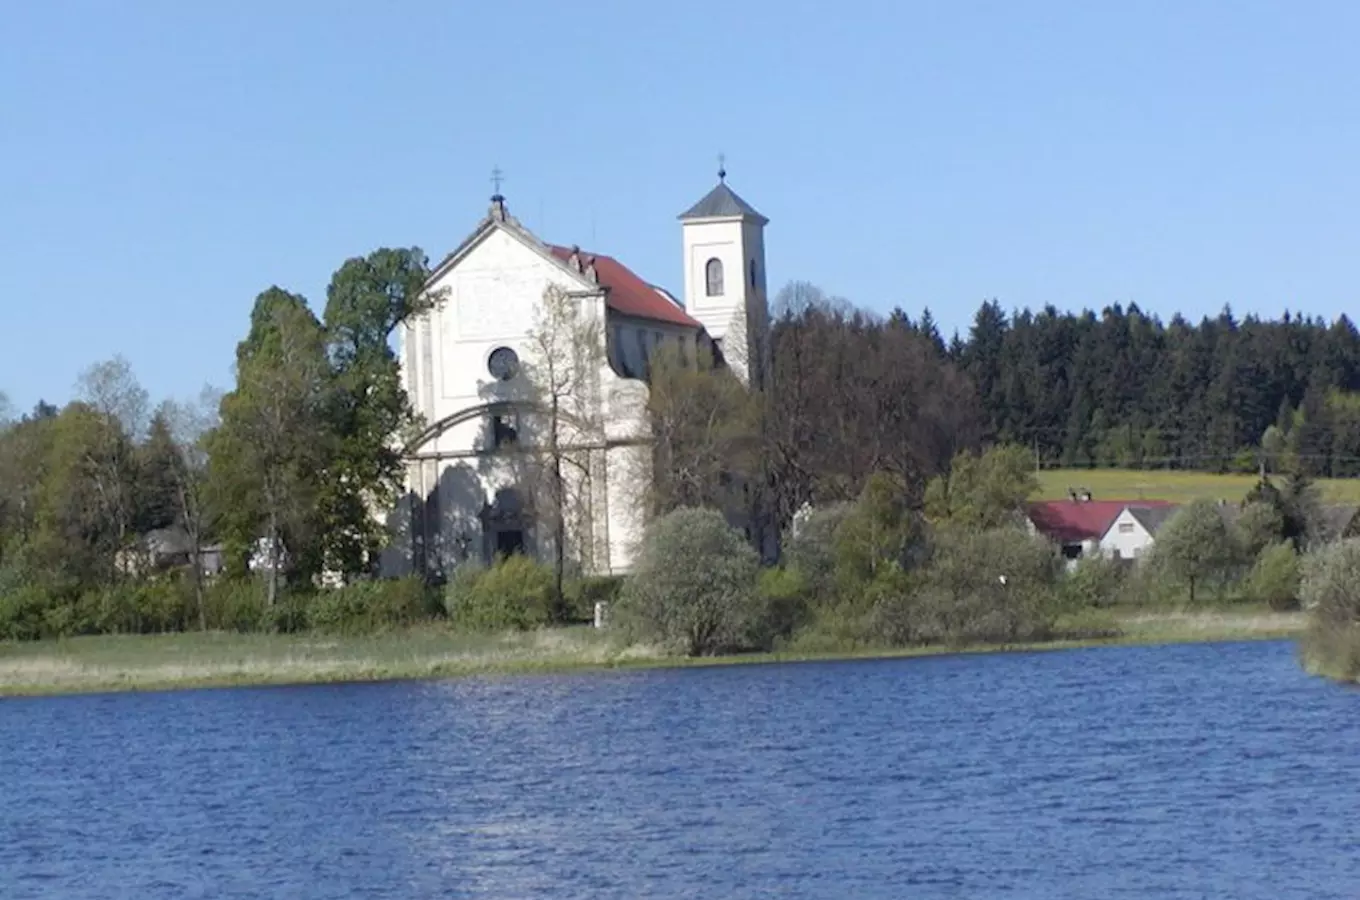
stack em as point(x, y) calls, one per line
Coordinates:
point(214, 660)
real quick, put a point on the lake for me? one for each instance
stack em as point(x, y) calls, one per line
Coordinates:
point(1187, 771)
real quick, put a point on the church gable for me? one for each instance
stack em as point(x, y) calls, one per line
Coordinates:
point(494, 286)
point(491, 288)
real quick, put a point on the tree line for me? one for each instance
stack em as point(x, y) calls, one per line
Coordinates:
point(1123, 389)
point(283, 473)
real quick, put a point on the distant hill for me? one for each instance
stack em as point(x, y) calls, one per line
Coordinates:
point(1176, 486)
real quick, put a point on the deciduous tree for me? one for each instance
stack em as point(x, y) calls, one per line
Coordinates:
point(704, 429)
point(273, 442)
point(564, 403)
point(367, 406)
point(984, 491)
point(1195, 545)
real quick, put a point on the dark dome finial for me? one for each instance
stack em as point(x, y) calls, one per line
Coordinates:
point(722, 166)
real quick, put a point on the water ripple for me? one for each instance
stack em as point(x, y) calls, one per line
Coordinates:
point(1136, 772)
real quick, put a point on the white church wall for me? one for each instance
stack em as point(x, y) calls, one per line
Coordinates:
point(721, 240)
point(631, 341)
point(491, 295)
point(491, 298)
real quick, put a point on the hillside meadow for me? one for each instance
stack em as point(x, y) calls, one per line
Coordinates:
point(1176, 486)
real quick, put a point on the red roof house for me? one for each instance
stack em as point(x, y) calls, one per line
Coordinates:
point(1077, 521)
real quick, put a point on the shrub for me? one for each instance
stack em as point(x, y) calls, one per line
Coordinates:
point(1097, 581)
point(154, 606)
point(1274, 579)
point(785, 597)
point(458, 586)
point(881, 532)
point(1195, 547)
point(1257, 527)
point(1330, 591)
point(23, 611)
point(694, 587)
point(369, 606)
point(290, 614)
point(515, 593)
point(583, 593)
point(811, 546)
point(993, 586)
point(1330, 586)
point(235, 604)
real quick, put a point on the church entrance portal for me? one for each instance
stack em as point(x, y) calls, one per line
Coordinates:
point(505, 525)
point(509, 543)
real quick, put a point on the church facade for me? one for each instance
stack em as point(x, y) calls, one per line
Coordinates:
point(473, 369)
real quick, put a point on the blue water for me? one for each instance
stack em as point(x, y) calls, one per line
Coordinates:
point(1195, 771)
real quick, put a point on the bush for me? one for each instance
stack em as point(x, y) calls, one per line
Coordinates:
point(1330, 591)
point(811, 547)
point(785, 597)
point(1330, 586)
point(365, 607)
point(990, 586)
point(23, 612)
point(155, 606)
point(1195, 548)
point(694, 587)
point(235, 604)
point(583, 593)
point(1274, 579)
point(458, 587)
point(1257, 527)
point(515, 593)
point(1097, 581)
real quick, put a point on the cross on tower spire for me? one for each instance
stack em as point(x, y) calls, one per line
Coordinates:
point(497, 201)
point(722, 166)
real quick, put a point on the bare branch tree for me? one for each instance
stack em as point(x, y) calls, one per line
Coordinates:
point(705, 433)
point(111, 389)
point(190, 422)
point(120, 403)
point(566, 343)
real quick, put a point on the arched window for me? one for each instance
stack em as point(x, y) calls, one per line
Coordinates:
point(713, 277)
point(753, 273)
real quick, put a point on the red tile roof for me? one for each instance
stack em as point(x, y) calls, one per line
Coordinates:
point(1070, 521)
point(629, 294)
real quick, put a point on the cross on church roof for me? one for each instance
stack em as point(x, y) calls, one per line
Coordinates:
point(497, 177)
point(722, 166)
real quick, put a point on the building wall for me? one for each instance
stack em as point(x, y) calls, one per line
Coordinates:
point(739, 317)
point(490, 298)
point(1126, 538)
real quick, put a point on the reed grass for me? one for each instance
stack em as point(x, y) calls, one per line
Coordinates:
point(111, 663)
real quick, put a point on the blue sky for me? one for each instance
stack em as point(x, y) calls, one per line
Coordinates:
point(161, 163)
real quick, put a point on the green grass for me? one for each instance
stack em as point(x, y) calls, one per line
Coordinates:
point(218, 659)
point(1176, 486)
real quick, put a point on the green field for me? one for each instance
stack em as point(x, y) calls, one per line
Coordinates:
point(1176, 486)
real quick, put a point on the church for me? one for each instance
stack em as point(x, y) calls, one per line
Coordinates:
point(467, 368)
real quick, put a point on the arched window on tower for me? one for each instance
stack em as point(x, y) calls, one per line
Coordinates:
point(753, 273)
point(713, 277)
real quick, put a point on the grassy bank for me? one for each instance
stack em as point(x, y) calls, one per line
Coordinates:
point(215, 659)
point(1175, 486)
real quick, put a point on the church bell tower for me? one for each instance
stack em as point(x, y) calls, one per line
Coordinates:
point(724, 244)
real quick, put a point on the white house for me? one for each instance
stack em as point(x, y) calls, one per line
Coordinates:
point(1133, 531)
point(464, 368)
